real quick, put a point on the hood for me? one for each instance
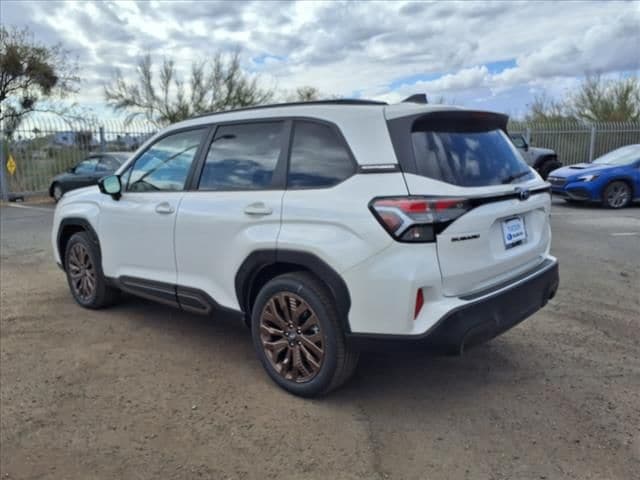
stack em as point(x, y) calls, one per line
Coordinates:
point(541, 151)
point(579, 169)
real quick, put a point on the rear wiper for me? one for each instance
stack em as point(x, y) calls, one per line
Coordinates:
point(515, 176)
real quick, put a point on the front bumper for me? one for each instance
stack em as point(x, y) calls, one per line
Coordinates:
point(477, 321)
point(579, 191)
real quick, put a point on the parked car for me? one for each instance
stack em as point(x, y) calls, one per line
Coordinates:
point(86, 172)
point(325, 226)
point(612, 179)
point(543, 160)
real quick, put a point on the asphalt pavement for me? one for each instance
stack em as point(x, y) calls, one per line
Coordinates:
point(143, 391)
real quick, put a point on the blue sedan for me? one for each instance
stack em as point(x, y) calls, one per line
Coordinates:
point(613, 179)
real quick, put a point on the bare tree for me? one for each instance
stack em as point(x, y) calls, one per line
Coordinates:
point(595, 100)
point(546, 109)
point(31, 73)
point(214, 85)
point(307, 94)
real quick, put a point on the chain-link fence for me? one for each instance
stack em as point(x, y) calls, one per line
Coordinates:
point(578, 142)
point(44, 147)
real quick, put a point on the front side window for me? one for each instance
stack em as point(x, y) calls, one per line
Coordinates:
point(318, 157)
point(165, 165)
point(86, 166)
point(243, 157)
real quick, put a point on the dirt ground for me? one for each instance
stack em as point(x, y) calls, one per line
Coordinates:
point(141, 391)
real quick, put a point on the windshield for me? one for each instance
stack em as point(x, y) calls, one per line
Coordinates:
point(469, 159)
point(622, 156)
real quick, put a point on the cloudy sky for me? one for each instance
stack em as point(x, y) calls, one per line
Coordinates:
point(494, 55)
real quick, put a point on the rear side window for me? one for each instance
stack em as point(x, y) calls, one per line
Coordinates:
point(243, 156)
point(107, 164)
point(468, 159)
point(319, 157)
point(87, 166)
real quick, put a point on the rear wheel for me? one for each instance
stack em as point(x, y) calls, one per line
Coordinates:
point(84, 273)
point(617, 194)
point(298, 337)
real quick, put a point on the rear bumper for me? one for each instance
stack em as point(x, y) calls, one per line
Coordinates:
point(477, 321)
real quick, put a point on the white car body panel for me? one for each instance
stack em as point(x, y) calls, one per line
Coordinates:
point(335, 224)
point(207, 235)
point(214, 235)
point(136, 240)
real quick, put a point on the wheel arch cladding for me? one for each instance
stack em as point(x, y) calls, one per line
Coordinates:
point(69, 227)
point(263, 265)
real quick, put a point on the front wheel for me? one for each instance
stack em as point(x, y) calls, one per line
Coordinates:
point(84, 273)
point(616, 195)
point(57, 192)
point(547, 167)
point(298, 338)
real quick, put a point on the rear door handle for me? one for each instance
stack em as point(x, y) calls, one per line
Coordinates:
point(164, 208)
point(257, 208)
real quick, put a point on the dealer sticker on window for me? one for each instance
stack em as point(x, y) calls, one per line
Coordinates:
point(514, 232)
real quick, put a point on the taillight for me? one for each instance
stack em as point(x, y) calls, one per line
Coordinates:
point(417, 219)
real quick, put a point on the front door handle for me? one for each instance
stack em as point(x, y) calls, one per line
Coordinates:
point(257, 208)
point(164, 208)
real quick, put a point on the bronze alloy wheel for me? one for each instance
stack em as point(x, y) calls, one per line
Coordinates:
point(81, 272)
point(291, 337)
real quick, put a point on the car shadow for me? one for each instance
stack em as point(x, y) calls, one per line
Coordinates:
point(393, 371)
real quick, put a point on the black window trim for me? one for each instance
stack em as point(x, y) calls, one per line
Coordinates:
point(129, 165)
point(279, 173)
point(336, 130)
point(282, 167)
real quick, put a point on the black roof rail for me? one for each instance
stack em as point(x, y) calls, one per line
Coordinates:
point(338, 101)
point(416, 98)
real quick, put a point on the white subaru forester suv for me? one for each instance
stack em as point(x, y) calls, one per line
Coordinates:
point(325, 226)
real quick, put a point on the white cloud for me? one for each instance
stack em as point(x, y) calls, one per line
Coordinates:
point(347, 48)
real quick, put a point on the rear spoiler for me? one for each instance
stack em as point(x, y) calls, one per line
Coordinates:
point(459, 121)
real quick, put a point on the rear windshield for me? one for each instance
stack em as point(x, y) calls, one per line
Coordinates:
point(468, 158)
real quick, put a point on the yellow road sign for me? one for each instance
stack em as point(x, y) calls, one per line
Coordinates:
point(11, 165)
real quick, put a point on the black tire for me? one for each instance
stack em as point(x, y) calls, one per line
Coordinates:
point(339, 361)
point(547, 167)
point(56, 192)
point(100, 295)
point(616, 194)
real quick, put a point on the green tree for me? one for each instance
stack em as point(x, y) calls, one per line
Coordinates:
point(599, 100)
point(30, 75)
point(162, 98)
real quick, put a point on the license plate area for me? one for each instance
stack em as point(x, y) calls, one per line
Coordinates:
point(514, 232)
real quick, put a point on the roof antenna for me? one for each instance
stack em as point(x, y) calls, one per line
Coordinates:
point(416, 98)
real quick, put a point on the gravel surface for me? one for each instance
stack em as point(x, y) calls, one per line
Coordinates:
point(141, 391)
